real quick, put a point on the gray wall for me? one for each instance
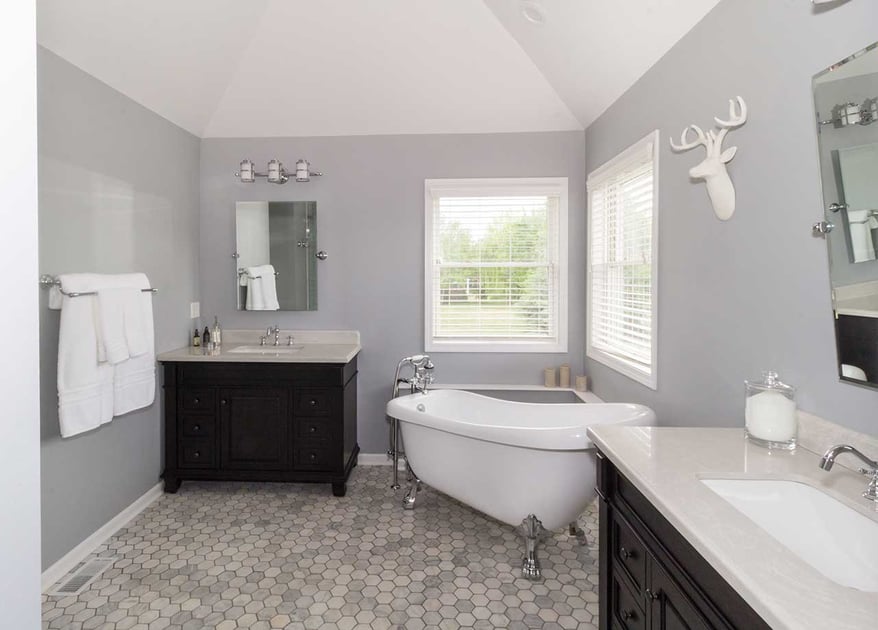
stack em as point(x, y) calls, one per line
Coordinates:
point(753, 293)
point(118, 193)
point(370, 217)
point(827, 95)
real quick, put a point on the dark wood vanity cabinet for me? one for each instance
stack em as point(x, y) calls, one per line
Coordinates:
point(260, 422)
point(651, 578)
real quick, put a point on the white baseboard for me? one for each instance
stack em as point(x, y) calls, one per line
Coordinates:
point(377, 459)
point(84, 549)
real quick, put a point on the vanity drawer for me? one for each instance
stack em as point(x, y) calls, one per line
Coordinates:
point(628, 550)
point(196, 454)
point(314, 429)
point(197, 399)
point(626, 612)
point(196, 426)
point(311, 401)
point(312, 458)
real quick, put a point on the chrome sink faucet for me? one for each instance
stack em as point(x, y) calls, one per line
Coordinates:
point(871, 469)
point(275, 330)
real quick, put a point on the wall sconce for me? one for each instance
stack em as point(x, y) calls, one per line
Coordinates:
point(276, 174)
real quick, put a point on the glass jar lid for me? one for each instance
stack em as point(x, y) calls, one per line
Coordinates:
point(771, 381)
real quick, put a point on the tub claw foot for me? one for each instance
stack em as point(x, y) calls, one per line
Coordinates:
point(532, 530)
point(575, 531)
point(408, 501)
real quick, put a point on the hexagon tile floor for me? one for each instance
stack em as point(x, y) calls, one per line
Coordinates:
point(262, 556)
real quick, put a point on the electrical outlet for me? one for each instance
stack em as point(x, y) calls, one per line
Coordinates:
point(195, 310)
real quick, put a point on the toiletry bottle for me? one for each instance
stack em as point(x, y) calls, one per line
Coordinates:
point(196, 339)
point(205, 337)
point(217, 334)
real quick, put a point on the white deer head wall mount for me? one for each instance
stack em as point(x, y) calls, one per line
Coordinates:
point(713, 169)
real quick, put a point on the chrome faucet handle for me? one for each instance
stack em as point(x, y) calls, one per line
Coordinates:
point(261, 340)
point(290, 340)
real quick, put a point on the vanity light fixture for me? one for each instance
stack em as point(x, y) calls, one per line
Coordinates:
point(847, 114)
point(276, 174)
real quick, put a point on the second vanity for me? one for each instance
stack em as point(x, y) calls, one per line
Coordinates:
point(252, 412)
point(676, 553)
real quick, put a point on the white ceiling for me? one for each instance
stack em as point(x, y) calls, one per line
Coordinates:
point(223, 68)
point(592, 51)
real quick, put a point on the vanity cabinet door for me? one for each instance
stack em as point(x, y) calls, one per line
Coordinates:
point(671, 608)
point(254, 428)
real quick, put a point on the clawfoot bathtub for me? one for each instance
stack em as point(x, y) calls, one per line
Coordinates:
point(521, 463)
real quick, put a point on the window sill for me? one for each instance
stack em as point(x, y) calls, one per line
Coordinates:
point(623, 367)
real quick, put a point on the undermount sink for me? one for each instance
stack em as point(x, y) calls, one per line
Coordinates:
point(266, 350)
point(836, 540)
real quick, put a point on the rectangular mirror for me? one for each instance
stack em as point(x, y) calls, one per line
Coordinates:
point(846, 99)
point(276, 243)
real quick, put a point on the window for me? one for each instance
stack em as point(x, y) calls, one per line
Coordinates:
point(496, 265)
point(622, 262)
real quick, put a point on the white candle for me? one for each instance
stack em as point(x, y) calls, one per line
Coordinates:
point(771, 416)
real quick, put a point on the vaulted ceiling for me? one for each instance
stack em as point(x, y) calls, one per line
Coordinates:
point(253, 68)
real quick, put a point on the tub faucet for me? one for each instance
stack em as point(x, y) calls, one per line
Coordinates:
point(423, 375)
point(871, 469)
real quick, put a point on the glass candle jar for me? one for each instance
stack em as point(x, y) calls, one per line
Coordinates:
point(770, 412)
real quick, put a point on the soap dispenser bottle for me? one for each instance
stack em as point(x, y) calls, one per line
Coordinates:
point(770, 413)
point(217, 334)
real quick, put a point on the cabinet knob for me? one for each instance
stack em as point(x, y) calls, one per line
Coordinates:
point(313, 456)
point(653, 596)
point(196, 454)
point(628, 614)
point(313, 402)
point(196, 400)
point(312, 429)
point(196, 428)
point(627, 555)
point(224, 402)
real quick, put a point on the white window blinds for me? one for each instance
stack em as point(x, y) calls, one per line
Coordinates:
point(494, 267)
point(622, 207)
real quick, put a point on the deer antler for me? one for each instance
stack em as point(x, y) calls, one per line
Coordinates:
point(685, 144)
point(736, 119)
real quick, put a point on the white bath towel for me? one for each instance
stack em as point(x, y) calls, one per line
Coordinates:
point(262, 289)
point(85, 386)
point(90, 393)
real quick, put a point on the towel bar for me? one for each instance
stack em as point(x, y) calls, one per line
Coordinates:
point(47, 281)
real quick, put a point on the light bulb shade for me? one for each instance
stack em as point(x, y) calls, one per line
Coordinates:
point(303, 171)
point(276, 172)
point(246, 172)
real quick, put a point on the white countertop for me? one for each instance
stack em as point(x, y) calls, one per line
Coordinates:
point(318, 346)
point(666, 465)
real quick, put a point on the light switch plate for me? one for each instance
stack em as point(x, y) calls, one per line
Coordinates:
point(194, 309)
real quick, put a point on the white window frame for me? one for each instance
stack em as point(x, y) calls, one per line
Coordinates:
point(615, 361)
point(481, 187)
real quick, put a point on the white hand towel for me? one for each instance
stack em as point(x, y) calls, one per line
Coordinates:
point(85, 387)
point(134, 382)
point(113, 307)
point(268, 284)
point(123, 327)
point(255, 301)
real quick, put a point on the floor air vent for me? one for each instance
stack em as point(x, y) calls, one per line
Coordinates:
point(82, 577)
